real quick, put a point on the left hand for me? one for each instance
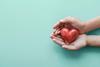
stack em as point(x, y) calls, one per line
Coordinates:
point(74, 22)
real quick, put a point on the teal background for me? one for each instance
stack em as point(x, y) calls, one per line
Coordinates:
point(25, 27)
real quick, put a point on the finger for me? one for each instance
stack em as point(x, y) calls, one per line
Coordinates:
point(58, 24)
point(52, 36)
point(70, 47)
point(59, 41)
point(70, 19)
point(65, 20)
point(57, 32)
point(54, 33)
point(74, 22)
point(71, 22)
point(66, 42)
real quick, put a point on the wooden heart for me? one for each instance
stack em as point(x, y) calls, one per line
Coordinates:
point(69, 35)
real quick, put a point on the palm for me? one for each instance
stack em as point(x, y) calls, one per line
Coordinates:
point(77, 44)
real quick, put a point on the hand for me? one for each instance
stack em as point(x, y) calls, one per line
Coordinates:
point(70, 21)
point(77, 44)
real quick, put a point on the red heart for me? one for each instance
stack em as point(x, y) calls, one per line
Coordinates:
point(69, 35)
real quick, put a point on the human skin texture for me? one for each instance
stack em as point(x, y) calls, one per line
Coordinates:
point(93, 40)
point(82, 40)
point(91, 24)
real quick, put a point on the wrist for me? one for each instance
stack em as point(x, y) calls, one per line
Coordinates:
point(83, 30)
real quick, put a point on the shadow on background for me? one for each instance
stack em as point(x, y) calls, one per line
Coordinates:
point(78, 53)
point(94, 32)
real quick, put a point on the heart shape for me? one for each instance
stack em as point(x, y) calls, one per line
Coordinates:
point(69, 35)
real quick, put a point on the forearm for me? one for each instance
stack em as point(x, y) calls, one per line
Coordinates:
point(92, 24)
point(93, 40)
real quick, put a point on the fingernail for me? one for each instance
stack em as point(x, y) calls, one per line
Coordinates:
point(52, 37)
point(63, 46)
point(61, 21)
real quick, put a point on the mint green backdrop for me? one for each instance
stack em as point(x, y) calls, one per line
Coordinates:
point(25, 26)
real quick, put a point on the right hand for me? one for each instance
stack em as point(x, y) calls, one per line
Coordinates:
point(80, 42)
point(72, 21)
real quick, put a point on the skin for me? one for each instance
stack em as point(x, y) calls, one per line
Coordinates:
point(83, 39)
point(91, 24)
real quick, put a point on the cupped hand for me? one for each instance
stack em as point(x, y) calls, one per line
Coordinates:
point(74, 22)
point(76, 45)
